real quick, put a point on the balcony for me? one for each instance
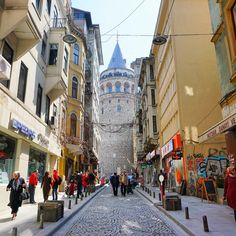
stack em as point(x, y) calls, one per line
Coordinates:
point(21, 19)
point(5, 69)
point(57, 73)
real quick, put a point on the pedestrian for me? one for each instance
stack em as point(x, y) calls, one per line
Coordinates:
point(230, 189)
point(46, 185)
point(71, 187)
point(79, 185)
point(141, 180)
point(33, 181)
point(114, 179)
point(91, 179)
point(16, 186)
point(56, 181)
point(85, 181)
point(123, 183)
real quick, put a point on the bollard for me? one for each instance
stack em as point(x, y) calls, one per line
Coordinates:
point(86, 193)
point(69, 206)
point(89, 192)
point(148, 190)
point(205, 224)
point(143, 188)
point(159, 196)
point(154, 195)
point(76, 200)
point(150, 193)
point(186, 213)
point(14, 231)
point(41, 221)
point(82, 195)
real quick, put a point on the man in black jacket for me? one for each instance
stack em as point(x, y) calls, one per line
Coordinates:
point(114, 179)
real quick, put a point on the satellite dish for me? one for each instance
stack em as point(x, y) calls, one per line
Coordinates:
point(69, 38)
point(159, 40)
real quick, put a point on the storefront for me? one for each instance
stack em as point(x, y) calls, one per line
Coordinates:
point(7, 157)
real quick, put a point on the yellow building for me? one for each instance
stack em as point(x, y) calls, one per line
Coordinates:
point(73, 138)
point(187, 88)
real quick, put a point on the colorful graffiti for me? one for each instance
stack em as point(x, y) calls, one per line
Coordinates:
point(212, 166)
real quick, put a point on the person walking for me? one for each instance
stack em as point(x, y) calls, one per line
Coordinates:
point(16, 186)
point(33, 181)
point(114, 179)
point(230, 189)
point(85, 181)
point(56, 181)
point(46, 185)
point(123, 183)
point(91, 179)
point(79, 185)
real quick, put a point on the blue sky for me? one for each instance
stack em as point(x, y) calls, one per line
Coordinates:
point(109, 13)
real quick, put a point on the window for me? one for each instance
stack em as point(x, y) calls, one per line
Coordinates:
point(153, 97)
point(47, 110)
point(154, 123)
point(39, 100)
point(118, 87)
point(65, 61)
point(73, 124)
point(49, 3)
point(109, 88)
point(102, 89)
point(102, 110)
point(75, 58)
point(22, 82)
point(126, 87)
point(118, 108)
point(38, 5)
point(44, 45)
point(230, 17)
point(132, 88)
point(74, 89)
point(8, 54)
point(54, 110)
point(151, 72)
point(53, 54)
point(55, 17)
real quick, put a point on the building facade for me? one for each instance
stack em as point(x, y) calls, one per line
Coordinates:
point(33, 82)
point(186, 78)
point(223, 21)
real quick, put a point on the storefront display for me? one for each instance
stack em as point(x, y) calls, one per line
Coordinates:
point(37, 161)
point(7, 157)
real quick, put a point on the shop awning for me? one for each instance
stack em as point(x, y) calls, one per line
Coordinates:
point(219, 128)
point(76, 149)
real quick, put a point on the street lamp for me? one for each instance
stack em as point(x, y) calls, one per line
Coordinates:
point(159, 40)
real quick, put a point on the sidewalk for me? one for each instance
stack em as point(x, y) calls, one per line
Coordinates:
point(26, 220)
point(220, 217)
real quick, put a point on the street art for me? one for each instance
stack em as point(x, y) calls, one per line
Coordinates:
point(213, 166)
point(192, 184)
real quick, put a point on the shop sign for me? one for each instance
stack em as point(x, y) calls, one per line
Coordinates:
point(23, 129)
point(219, 128)
point(43, 140)
point(167, 148)
point(153, 153)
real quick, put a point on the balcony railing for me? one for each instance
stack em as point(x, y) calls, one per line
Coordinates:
point(58, 23)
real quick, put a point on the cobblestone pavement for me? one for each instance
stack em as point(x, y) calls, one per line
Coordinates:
point(120, 216)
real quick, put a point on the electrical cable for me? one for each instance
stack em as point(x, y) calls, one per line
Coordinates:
point(125, 18)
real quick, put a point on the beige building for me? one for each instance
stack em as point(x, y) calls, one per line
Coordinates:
point(187, 88)
point(34, 63)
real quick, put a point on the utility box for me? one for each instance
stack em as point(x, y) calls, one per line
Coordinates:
point(52, 210)
point(172, 203)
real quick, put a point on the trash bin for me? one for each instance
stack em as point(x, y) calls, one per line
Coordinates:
point(52, 210)
point(172, 203)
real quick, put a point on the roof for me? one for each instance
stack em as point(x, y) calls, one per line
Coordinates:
point(117, 60)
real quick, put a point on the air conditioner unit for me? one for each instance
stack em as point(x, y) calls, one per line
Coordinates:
point(53, 122)
point(5, 68)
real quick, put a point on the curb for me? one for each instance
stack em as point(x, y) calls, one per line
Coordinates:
point(64, 220)
point(159, 207)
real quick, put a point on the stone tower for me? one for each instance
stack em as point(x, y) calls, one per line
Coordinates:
point(116, 115)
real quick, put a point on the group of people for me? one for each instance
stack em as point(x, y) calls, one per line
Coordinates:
point(17, 185)
point(123, 181)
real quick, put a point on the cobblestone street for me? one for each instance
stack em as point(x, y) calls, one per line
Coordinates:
point(130, 215)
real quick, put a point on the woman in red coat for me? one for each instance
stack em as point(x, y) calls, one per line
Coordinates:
point(85, 181)
point(230, 189)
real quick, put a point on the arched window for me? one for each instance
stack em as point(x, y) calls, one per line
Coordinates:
point(102, 89)
point(74, 89)
point(126, 87)
point(118, 108)
point(75, 58)
point(109, 88)
point(118, 87)
point(73, 125)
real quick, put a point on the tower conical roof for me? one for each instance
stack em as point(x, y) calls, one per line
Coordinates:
point(117, 60)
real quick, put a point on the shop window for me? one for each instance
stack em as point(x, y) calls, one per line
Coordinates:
point(7, 155)
point(37, 161)
point(53, 54)
point(22, 82)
